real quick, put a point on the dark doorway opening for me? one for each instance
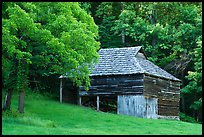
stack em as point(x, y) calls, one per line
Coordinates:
point(69, 92)
point(106, 103)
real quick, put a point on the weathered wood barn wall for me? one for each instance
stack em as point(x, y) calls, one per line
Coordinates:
point(167, 92)
point(115, 85)
point(139, 87)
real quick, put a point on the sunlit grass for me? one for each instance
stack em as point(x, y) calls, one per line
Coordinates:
point(46, 116)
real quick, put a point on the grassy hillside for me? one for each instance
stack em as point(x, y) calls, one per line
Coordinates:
point(45, 116)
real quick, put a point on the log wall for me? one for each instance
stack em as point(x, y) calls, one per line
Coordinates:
point(167, 92)
point(114, 85)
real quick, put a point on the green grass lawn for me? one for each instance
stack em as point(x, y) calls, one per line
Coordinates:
point(45, 116)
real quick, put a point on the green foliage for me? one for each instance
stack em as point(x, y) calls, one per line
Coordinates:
point(42, 39)
point(106, 14)
point(11, 114)
point(194, 86)
point(186, 118)
point(7, 70)
point(197, 104)
point(86, 6)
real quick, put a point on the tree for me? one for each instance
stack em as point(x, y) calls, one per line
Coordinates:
point(46, 39)
point(194, 87)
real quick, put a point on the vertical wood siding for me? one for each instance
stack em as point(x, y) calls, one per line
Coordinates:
point(138, 106)
point(152, 107)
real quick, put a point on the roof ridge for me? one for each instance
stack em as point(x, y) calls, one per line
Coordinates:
point(121, 48)
point(135, 59)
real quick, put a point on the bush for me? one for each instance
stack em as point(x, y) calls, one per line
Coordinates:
point(186, 118)
point(11, 113)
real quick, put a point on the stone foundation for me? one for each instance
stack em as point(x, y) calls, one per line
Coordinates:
point(169, 117)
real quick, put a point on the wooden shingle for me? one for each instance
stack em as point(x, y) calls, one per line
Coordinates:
point(121, 61)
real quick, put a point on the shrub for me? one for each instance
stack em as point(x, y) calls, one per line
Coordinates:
point(11, 113)
point(186, 118)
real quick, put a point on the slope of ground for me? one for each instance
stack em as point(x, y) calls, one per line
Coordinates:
point(45, 116)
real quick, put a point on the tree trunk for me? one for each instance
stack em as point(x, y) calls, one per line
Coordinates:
point(123, 31)
point(183, 103)
point(195, 112)
point(153, 20)
point(154, 40)
point(23, 72)
point(21, 102)
point(123, 37)
point(7, 100)
point(183, 97)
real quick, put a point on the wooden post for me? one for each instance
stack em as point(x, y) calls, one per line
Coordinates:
point(61, 90)
point(80, 100)
point(97, 103)
point(118, 104)
point(146, 106)
point(7, 100)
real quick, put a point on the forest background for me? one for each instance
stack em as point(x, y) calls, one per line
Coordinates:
point(41, 41)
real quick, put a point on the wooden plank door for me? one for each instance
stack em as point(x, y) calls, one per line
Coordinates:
point(131, 105)
point(151, 108)
point(137, 105)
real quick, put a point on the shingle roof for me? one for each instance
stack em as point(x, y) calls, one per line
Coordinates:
point(119, 61)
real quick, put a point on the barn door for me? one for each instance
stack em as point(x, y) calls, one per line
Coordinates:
point(151, 108)
point(137, 105)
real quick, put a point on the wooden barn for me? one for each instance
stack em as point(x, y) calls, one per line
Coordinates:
point(125, 80)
